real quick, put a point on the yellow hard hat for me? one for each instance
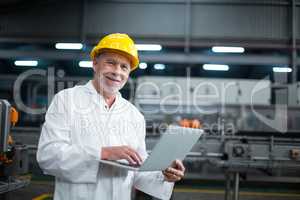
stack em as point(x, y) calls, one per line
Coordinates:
point(120, 43)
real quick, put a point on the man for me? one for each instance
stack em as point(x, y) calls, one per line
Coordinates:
point(87, 123)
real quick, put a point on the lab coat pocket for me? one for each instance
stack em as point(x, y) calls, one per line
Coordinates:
point(131, 136)
point(80, 192)
point(84, 133)
point(128, 179)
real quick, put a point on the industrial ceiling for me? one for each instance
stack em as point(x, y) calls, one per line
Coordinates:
point(186, 29)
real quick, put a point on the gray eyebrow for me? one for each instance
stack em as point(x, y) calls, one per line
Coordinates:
point(114, 60)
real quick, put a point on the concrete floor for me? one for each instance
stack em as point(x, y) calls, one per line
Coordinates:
point(181, 192)
point(33, 190)
point(219, 195)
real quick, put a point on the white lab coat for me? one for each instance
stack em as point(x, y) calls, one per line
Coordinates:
point(77, 125)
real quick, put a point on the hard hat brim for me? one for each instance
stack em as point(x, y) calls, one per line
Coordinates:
point(133, 60)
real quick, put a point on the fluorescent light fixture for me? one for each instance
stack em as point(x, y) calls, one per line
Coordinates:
point(222, 49)
point(282, 69)
point(143, 65)
point(32, 63)
point(148, 47)
point(75, 46)
point(87, 64)
point(159, 66)
point(215, 67)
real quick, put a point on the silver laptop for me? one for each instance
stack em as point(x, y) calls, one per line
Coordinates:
point(174, 144)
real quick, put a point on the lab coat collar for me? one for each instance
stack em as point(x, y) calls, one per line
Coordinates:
point(92, 90)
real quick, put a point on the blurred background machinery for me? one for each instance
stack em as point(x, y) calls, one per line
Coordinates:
point(13, 156)
point(227, 66)
point(246, 137)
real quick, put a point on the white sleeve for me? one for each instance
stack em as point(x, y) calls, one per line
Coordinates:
point(152, 183)
point(57, 155)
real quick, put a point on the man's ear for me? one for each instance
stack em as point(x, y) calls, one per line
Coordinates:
point(95, 62)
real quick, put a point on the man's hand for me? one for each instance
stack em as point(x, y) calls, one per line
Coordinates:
point(121, 152)
point(175, 172)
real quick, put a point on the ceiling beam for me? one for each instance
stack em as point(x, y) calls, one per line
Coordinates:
point(178, 58)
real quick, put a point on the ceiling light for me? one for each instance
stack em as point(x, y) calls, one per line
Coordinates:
point(143, 65)
point(159, 66)
point(215, 67)
point(74, 46)
point(87, 64)
point(32, 63)
point(282, 69)
point(222, 49)
point(148, 47)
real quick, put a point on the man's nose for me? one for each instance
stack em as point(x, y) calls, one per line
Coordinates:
point(117, 68)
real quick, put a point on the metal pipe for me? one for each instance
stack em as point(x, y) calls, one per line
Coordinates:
point(187, 32)
point(176, 58)
point(294, 35)
point(4, 124)
point(209, 2)
point(236, 185)
point(227, 186)
point(83, 21)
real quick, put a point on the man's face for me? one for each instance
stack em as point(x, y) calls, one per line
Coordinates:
point(111, 71)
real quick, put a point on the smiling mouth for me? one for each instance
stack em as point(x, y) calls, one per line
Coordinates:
point(112, 79)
